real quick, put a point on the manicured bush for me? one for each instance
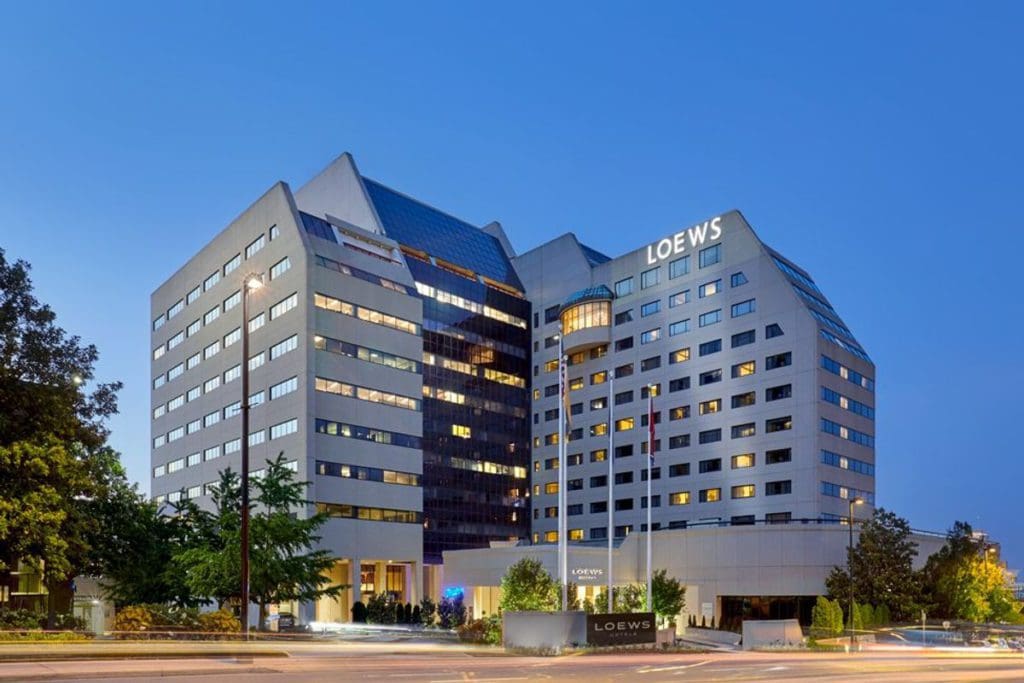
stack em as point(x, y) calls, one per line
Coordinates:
point(486, 631)
point(428, 612)
point(882, 615)
point(21, 619)
point(417, 616)
point(380, 609)
point(452, 612)
point(359, 613)
point(407, 616)
point(133, 618)
point(399, 613)
point(221, 621)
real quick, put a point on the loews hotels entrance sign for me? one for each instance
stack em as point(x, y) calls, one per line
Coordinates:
point(690, 238)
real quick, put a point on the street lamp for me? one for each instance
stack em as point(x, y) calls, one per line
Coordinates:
point(252, 283)
point(849, 563)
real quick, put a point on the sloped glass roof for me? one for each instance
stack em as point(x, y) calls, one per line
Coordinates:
point(599, 293)
point(423, 227)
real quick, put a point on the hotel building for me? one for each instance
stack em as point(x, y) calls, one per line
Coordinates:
point(405, 364)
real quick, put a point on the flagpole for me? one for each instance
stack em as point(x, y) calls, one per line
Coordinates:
point(610, 456)
point(563, 548)
point(650, 501)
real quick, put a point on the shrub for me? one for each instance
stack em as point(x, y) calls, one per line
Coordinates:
point(380, 609)
point(407, 616)
point(452, 612)
point(359, 613)
point(428, 611)
point(21, 619)
point(486, 631)
point(221, 621)
point(867, 616)
point(133, 618)
point(882, 615)
point(399, 613)
point(417, 616)
point(703, 622)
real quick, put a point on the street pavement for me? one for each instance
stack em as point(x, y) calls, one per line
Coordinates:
point(444, 663)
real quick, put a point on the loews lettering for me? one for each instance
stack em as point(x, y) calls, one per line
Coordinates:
point(640, 625)
point(689, 238)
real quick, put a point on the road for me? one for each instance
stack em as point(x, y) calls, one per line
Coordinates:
point(441, 664)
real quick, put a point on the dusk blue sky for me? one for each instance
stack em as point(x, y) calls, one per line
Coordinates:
point(879, 147)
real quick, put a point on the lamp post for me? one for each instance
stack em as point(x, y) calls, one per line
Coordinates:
point(252, 282)
point(849, 563)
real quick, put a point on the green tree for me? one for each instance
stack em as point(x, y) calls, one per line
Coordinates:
point(938, 577)
point(283, 564)
point(625, 599)
point(668, 596)
point(527, 586)
point(882, 563)
point(824, 623)
point(979, 589)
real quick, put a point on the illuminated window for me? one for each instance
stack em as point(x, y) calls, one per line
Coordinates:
point(586, 315)
point(710, 495)
point(650, 336)
point(575, 384)
point(679, 356)
point(599, 429)
point(551, 365)
point(551, 536)
point(779, 424)
point(624, 424)
point(709, 289)
point(744, 430)
point(743, 369)
point(599, 455)
point(461, 431)
point(679, 413)
point(708, 407)
point(551, 487)
point(599, 377)
point(742, 460)
point(575, 534)
point(365, 314)
point(679, 498)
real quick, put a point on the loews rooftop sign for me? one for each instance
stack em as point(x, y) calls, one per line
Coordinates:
point(690, 238)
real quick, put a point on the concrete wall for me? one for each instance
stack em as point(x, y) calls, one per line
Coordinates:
point(544, 630)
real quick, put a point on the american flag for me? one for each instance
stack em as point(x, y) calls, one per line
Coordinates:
point(565, 390)
point(650, 421)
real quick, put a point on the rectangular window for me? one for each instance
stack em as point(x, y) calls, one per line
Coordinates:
point(709, 407)
point(233, 264)
point(232, 336)
point(211, 350)
point(211, 315)
point(159, 381)
point(843, 462)
point(679, 356)
point(257, 360)
point(743, 338)
point(846, 403)
point(650, 308)
point(742, 461)
point(233, 373)
point(710, 495)
point(710, 436)
point(778, 517)
point(257, 322)
point(779, 360)
point(284, 428)
point(232, 446)
point(710, 377)
point(175, 372)
point(625, 451)
point(778, 393)
point(679, 384)
point(193, 393)
point(711, 465)
point(175, 434)
point(772, 331)
point(778, 455)
point(778, 488)
point(713, 346)
point(743, 400)
point(209, 282)
point(679, 413)
point(744, 369)
point(679, 327)
point(211, 419)
point(624, 478)
point(159, 321)
point(623, 317)
point(193, 327)
point(737, 279)
point(232, 301)
point(679, 470)
point(232, 409)
point(255, 246)
point(159, 411)
point(177, 308)
point(283, 347)
point(284, 305)
point(211, 384)
point(175, 340)
point(710, 256)
point(711, 317)
point(281, 388)
point(650, 336)
point(625, 424)
point(744, 307)
point(778, 424)
point(678, 267)
point(624, 287)
point(709, 289)
point(176, 402)
point(679, 498)
point(679, 441)
point(649, 278)
point(599, 377)
point(274, 232)
point(679, 298)
point(280, 268)
point(847, 374)
point(743, 491)
point(551, 314)
point(623, 504)
point(193, 295)
point(624, 371)
point(744, 430)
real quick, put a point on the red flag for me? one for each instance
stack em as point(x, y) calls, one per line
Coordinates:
point(650, 421)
